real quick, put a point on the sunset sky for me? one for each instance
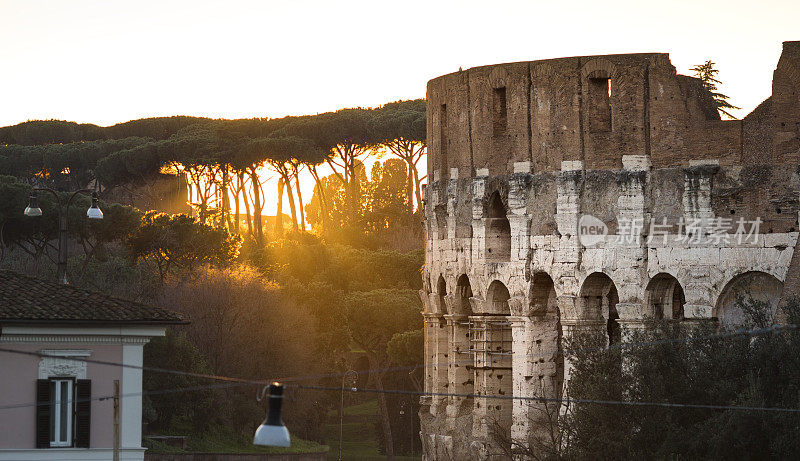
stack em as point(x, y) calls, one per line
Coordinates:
point(105, 62)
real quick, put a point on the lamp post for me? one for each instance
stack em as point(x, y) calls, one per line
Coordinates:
point(354, 376)
point(33, 210)
point(405, 406)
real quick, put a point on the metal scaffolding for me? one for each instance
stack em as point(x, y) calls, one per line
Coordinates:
point(490, 342)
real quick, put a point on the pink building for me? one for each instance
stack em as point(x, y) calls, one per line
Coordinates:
point(52, 402)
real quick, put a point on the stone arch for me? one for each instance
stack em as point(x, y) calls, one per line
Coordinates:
point(598, 301)
point(498, 231)
point(441, 292)
point(441, 286)
point(498, 77)
point(461, 374)
point(756, 285)
point(542, 294)
point(462, 295)
point(598, 67)
point(546, 333)
point(664, 297)
point(491, 340)
point(497, 296)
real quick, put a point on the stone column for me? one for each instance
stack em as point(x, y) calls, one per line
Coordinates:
point(569, 328)
point(492, 377)
point(436, 358)
point(695, 315)
point(697, 192)
point(569, 187)
point(478, 220)
point(523, 373)
point(519, 185)
point(633, 220)
point(630, 321)
point(452, 201)
point(459, 370)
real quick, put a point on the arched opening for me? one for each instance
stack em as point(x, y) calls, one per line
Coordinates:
point(461, 373)
point(599, 300)
point(538, 364)
point(441, 292)
point(491, 344)
point(664, 297)
point(756, 287)
point(546, 326)
point(498, 231)
point(463, 293)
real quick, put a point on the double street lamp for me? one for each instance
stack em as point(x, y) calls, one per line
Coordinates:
point(33, 210)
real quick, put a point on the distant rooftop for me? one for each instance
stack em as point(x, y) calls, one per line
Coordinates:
point(25, 299)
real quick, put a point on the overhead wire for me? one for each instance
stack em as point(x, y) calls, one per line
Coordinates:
point(237, 382)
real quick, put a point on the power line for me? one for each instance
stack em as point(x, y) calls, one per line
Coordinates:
point(438, 394)
point(622, 345)
point(235, 382)
point(550, 399)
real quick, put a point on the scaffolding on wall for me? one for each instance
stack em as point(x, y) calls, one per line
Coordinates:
point(490, 342)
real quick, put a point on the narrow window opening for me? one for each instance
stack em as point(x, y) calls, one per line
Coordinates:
point(600, 104)
point(443, 138)
point(61, 413)
point(499, 111)
point(498, 231)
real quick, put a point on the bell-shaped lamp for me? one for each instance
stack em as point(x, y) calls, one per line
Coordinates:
point(272, 432)
point(94, 211)
point(33, 206)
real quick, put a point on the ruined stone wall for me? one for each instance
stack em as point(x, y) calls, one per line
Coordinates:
point(526, 152)
point(546, 112)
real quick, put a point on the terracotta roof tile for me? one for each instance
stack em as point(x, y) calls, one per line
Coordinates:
point(26, 299)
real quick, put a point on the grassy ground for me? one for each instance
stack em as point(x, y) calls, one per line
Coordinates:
point(358, 433)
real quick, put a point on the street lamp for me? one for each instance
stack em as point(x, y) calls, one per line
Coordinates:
point(353, 375)
point(403, 407)
point(33, 210)
point(272, 432)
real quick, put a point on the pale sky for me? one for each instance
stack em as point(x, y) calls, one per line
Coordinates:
point(110, 61)
point(106, 62)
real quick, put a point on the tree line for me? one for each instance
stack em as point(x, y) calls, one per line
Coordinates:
point(223, 159)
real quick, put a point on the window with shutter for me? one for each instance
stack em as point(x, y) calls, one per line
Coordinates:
point(43, 403)
point(63, 412)
point(62, 407)
point(83, 412)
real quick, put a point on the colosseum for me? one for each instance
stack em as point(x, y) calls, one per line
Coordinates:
point(589, 193)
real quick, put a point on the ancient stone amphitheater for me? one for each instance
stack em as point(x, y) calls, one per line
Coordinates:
point(589, 193)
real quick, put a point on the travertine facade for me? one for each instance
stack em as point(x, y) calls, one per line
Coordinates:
point(519, 153)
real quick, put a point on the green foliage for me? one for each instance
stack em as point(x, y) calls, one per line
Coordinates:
point(374, 317)
point(50, 132)
point(708, 75)
point(402, 121)
point(407, 348)
point(758, 371)
point(65, 166)
point(166, 410)
point(181, 242)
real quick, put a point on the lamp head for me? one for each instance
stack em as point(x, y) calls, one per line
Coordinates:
point(33, 206)
point(272, 432)
point(94, 211)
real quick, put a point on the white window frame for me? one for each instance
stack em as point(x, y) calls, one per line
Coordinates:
point(57, 439)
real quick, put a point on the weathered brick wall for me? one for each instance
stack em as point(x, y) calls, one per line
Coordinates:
point(550, 108)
